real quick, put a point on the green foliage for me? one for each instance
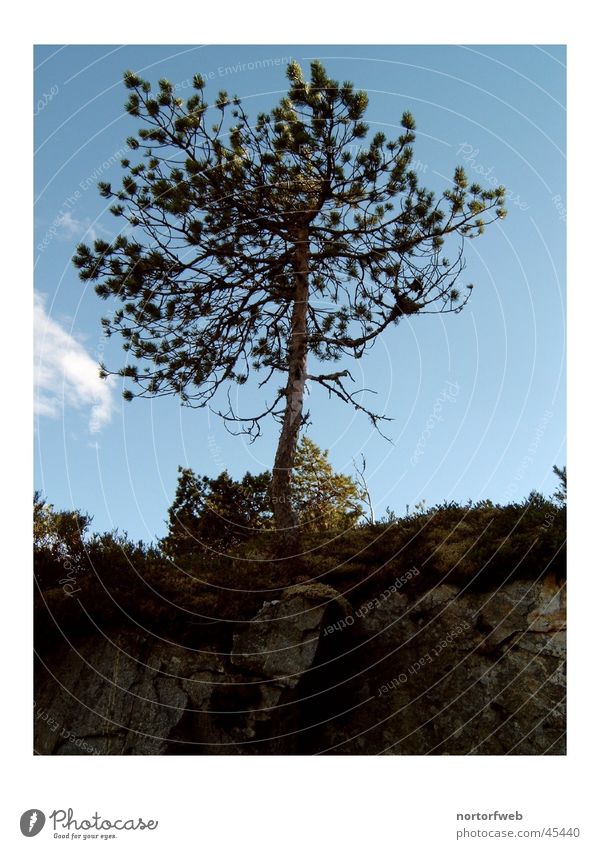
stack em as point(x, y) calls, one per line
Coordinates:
point(324, 500)
point(479, 545)
point(215, 514)
point(249, 246)
point(196, 598)
point(58, 541)
point(207, 263)
point(218, 514)
point(197, 595)
point(561, 493)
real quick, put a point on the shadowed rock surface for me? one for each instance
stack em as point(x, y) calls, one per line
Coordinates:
point(446, 670)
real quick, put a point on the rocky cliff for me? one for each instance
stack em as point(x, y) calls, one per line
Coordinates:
point(446, 670)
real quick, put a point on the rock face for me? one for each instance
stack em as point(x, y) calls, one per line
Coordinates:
point(466, 673)
point(448, 672)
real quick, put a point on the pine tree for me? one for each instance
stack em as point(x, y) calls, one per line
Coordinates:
point(215, 514)
point(323, 499)
point(560, 494)
point(254, 246)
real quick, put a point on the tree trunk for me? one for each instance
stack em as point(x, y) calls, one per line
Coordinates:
point(288, 540)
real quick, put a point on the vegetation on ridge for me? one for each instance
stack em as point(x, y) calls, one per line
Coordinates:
point(85, 580)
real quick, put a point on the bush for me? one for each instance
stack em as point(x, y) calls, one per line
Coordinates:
point(197, 597)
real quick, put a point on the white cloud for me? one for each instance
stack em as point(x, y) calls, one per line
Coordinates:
point(65, 375)
point(69, 227)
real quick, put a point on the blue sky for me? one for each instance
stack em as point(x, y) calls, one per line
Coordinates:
point(477, 399)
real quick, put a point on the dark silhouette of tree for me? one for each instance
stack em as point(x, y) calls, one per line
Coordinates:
point(215, 514)
point(254, 245)
point(59, 548)
point(561, 493)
